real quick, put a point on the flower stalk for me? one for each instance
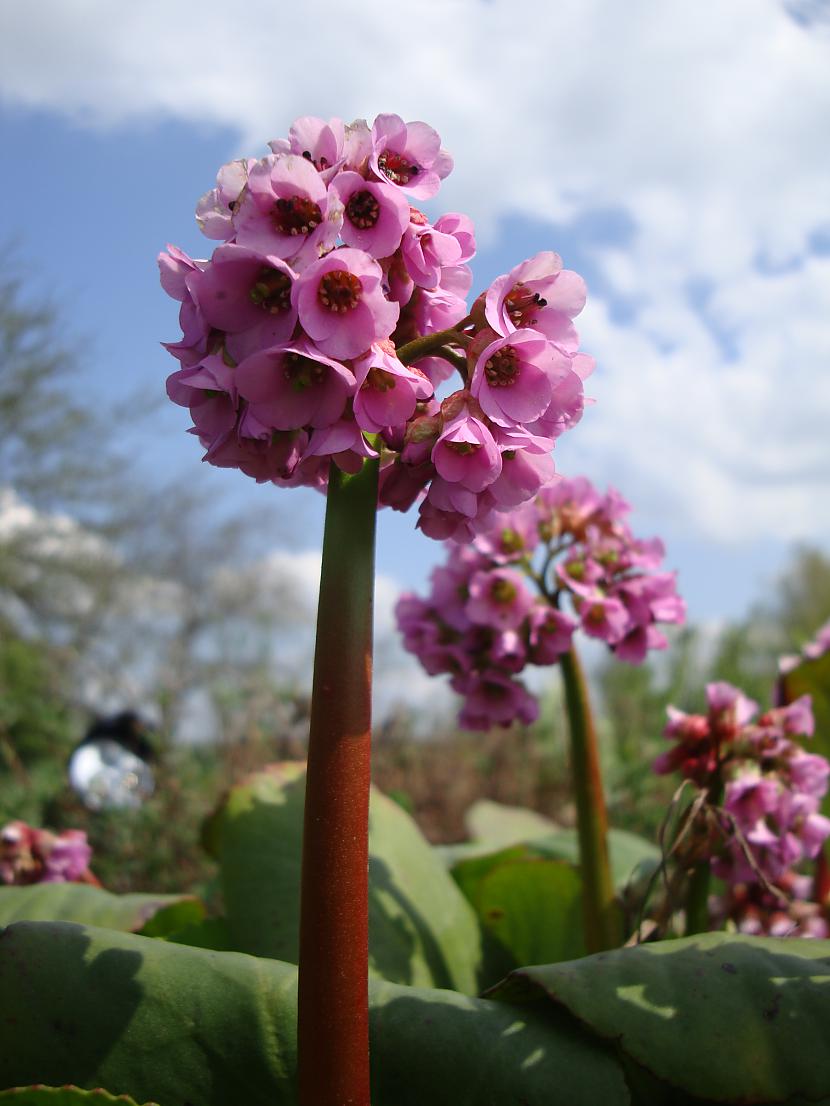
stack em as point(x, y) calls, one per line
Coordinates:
point(333, 1017)
point(599, 906)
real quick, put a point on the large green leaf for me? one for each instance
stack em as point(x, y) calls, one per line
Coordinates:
point(499, 825)
point(182, 1025)
point(633, 858)
point(422, 931)
point(718, 1017)
point(494, 826)
point(154, 915)
point(63, 1096)
point(533, 909)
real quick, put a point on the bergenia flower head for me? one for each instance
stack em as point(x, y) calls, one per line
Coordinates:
point(331, 310)
point(764, 792)
point(498, 602)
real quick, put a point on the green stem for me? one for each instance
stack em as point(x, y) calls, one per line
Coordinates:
point(697, 899)
point(333, 1025)
point(429, 343)
point(599, 905)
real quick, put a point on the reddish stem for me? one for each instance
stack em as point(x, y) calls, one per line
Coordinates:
point(333, 1016)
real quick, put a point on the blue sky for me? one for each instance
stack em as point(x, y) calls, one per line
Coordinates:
point(677, 158)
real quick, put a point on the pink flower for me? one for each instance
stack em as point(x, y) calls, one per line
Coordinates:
point(31, 855)
point(426, 251)
point(319, 142)
point(287, 211)
point(443, 306)
point(462, 229)
point(341, 304)
point(729, 708)
point(498, 598)
point(511, 535)
point(402, 485)
point(513, 378)
point(409, 156)
point(538, 294)
point(242, 290)
point(343, 441)
point(603, 617)
point(214, 211)
point(523, 472)
point(295, 386)
point(375, 215)
point(494, 699)
point(466, 453)
point(387, 391)
point(551, 632)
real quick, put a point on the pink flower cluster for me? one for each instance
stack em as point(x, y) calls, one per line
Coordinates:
point(320, 328)
point(30, 855)
point(797, 912)
point(818, 647)
point(771, 788)
point(494, 606)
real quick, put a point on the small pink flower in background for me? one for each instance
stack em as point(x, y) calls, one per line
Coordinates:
point(500, 599)
point(814, 649)
point(31, 855)
point(765, 793)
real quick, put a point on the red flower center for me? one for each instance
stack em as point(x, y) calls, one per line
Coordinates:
point(363, 210)
point(302, 372)
point(502, 591)
point(380, 380)
point(463, 449)
point(272, 291)
point(502, 369)
point(339, 291)
point(397, 167)
point(296, 215)
point(520, 302)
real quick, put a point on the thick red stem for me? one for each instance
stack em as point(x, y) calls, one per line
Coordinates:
point(333, 1017)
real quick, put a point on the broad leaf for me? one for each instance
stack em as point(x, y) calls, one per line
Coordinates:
point(499, 825)
point(154, 915)
point(183, 1025)
point(421, 929)
point(718, 1017)
point(633, 858)
point(533, 908)
point(62, 1096)
point(495, 826)
point(209, 933)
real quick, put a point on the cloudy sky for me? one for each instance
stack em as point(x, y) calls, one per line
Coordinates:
point(676, 154)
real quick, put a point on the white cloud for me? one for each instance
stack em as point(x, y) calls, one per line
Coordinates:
point(705, 124)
